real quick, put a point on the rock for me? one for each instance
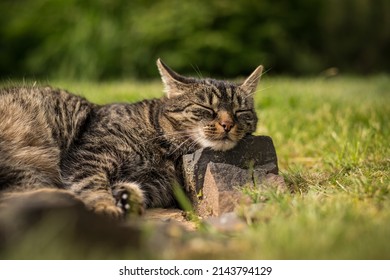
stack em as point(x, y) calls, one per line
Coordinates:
point(52, 217)
point(252, 152)
point(227, 176)
point(220, 192)
point(213, 179)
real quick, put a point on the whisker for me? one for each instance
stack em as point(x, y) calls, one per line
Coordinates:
point(256, 80)
point(197, 70)
point(265, 71)
point(196, 141)
point(176, 133)
point(256, 91)
point(181, 145)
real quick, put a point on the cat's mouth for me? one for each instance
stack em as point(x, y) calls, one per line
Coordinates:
point(225, 137)
point(221, 143)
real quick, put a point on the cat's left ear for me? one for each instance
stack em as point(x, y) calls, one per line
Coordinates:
point(250, 84)
point(174, 84)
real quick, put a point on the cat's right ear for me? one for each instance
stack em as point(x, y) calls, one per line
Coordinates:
point(250, 84)
point(174, 84)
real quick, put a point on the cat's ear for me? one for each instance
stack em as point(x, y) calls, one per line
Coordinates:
point(250, 84)
point(174, 84)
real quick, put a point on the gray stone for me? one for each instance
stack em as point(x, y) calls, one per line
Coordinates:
point(228, 177)
point(264, 180)
point(212, 178)
point(252, 152)
point(220, 193)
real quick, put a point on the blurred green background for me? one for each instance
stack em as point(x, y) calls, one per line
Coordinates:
point(116, 39)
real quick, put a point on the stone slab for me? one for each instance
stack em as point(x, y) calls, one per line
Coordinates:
point(256, 152)
point(212, 179)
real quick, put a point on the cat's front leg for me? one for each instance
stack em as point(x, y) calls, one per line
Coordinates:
point(102, 202)
point(96, 193)
point(110, 199)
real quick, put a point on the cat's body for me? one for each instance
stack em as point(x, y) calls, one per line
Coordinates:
point(119, 157)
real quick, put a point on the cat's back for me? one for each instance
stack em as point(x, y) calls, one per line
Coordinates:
point(52, 113)
point(37, 126)
point(32, 98)
point(23, 109)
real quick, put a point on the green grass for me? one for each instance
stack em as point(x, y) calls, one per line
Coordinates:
point(332, 141)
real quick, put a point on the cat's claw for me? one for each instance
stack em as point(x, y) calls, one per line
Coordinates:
point(123, 202)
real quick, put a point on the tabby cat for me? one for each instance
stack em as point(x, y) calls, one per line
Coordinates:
point(117, 158)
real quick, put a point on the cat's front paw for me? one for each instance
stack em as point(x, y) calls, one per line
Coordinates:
point(108, 210)
point(129, 198)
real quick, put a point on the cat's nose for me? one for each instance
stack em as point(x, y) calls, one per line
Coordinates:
point(227, 125)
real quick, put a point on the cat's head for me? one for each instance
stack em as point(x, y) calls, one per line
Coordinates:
point(211, 113)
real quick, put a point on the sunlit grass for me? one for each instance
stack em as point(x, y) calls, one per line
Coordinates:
point(332, 141)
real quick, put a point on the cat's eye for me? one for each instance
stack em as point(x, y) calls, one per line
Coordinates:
point(203, 111)
point(244, 114)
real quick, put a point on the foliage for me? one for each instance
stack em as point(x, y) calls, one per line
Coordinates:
point(118, 38)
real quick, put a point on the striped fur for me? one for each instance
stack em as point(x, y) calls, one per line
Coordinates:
point(117, 158)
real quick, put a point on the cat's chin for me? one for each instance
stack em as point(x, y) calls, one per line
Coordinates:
point(218, 145)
